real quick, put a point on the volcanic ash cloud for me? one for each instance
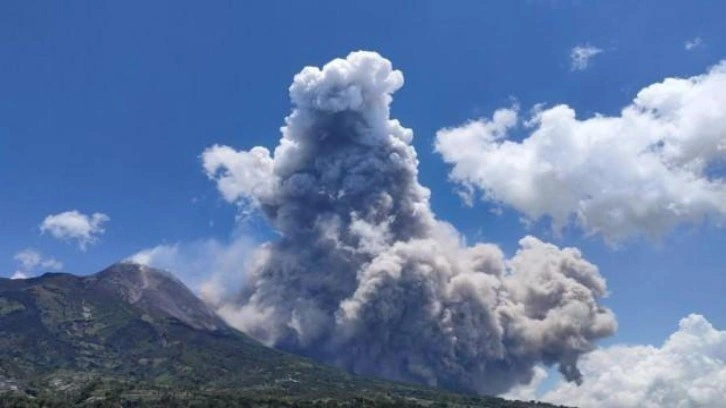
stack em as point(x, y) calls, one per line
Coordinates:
point(365, 277)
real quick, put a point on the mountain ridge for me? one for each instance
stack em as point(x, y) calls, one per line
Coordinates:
point(131, 324)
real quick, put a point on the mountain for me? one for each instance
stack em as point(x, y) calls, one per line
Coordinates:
point(133, 333)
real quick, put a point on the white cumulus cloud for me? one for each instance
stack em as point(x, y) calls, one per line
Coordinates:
point(75, 226)
point(688, 370)
point(581, 55)
point(32, 261)
point(656, 165)
point(239, 174)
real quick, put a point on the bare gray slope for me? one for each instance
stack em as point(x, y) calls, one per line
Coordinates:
point(158, 293)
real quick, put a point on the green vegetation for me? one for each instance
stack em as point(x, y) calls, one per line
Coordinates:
point(78, 341)
point(8, 306)
point(115, 394)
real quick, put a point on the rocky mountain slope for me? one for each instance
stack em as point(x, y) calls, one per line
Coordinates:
point(133, 333)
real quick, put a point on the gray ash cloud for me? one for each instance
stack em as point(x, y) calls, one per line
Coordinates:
point(364, 276)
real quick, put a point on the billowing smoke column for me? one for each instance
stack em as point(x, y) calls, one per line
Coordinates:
point(365, 277)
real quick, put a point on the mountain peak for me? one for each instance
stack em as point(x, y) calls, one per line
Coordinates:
point(137, 273)
point(159, 293)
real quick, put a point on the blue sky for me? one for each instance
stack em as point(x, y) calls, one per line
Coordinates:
point(107, 106)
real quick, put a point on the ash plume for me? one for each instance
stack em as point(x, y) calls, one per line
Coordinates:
point(364, 276)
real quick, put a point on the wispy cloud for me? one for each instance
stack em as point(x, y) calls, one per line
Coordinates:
point(581, 56)
point(212, 268)
point(32, 261)
point(693, 43)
